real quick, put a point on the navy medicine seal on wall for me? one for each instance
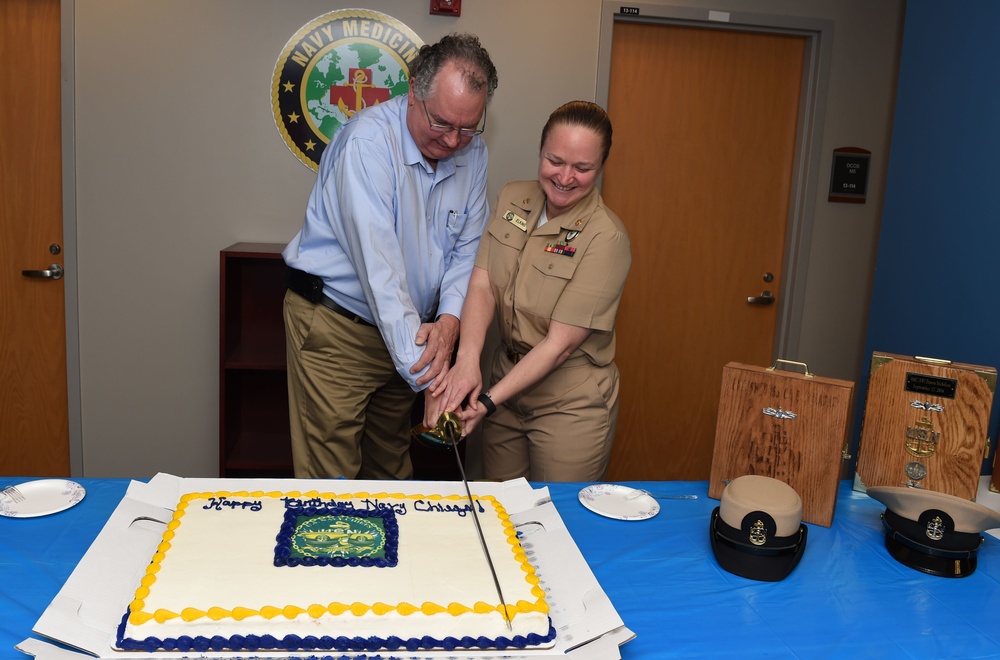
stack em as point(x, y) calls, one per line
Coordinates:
point(933, 532)
point(757, 530)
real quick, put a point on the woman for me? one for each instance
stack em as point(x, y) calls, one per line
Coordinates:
point(551, 266)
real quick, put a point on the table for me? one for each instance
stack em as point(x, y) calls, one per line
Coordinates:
point(847, 597)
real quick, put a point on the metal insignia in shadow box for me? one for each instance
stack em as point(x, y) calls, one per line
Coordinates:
point(925, 424)
point(784, 424)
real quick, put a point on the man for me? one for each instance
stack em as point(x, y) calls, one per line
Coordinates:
point(379, 271)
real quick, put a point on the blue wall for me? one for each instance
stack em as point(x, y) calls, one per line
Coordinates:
point(937, 279)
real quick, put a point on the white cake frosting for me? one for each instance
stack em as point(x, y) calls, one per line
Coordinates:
point(214, 582)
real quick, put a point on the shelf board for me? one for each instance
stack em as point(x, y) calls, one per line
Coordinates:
point(255, 250)
point(258, 451)
point(265, 359)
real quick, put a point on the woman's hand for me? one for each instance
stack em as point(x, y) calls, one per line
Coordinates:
point(447, 394)
point(471, 415)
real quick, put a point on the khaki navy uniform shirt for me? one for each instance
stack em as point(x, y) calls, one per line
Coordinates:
point(571, 269)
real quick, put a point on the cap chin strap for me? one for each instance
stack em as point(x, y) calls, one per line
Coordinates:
point(910, 543)
point(779, 545)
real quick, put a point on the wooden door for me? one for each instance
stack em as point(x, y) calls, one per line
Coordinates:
point(34, 427)
point(705, 124)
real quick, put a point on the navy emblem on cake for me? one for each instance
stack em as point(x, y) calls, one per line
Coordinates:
point(338, 536)
point(316, 533)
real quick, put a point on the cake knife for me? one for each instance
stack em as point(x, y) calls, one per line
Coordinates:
point(449, 431)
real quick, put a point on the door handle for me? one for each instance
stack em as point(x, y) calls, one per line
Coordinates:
point(54, 272)
point(765, 298)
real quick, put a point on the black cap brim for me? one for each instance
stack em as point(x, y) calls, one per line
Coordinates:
point(739, 560)
point(952, 556)
point(941, 566)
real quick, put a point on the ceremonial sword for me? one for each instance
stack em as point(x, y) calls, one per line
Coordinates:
point(449, 431)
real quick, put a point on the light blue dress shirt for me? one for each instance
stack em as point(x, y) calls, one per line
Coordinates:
point(393, 238)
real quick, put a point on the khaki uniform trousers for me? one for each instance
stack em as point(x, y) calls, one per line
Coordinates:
point(349, 409)
point(561, 429)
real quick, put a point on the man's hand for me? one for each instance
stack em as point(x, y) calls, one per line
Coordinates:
point(433, 407)
point(438, 340)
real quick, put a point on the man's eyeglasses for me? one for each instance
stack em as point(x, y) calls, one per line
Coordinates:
point(448, 128)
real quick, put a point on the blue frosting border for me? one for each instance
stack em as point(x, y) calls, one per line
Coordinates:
point(283, 549)
point(202, 644)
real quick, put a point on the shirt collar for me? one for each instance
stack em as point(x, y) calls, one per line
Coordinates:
point(412, 155)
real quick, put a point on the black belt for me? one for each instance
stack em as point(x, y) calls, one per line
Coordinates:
point(310, 287)
point(516, 357)
point(512, 355)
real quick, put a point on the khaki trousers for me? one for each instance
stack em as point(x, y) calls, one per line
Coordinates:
point(561, 429)
point(349, 409)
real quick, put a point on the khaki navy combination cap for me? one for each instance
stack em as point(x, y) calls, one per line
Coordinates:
point(933, 532)
point(757, 529)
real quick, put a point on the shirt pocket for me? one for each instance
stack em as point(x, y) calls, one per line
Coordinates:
point(543, 284)
point(456, 220)
point(503, 248)
point(454, 223)
point(508, 235)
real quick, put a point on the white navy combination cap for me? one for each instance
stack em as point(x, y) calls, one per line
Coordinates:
point(933, 532)
point(757, 531)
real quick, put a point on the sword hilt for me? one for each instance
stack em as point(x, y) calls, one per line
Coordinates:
point(447, 431)
point(451, 427)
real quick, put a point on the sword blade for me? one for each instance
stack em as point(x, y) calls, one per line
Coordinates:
point(479, 529)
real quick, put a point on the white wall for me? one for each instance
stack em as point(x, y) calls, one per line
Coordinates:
point(177, 157)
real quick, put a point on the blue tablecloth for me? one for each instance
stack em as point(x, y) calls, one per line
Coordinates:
point(847, 598)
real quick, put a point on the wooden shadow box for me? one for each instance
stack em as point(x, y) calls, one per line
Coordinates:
point(788, 425)
point(925, 424)
point(995, 483)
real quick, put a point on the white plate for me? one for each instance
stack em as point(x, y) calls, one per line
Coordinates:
point(41, 498)
point(619, 502)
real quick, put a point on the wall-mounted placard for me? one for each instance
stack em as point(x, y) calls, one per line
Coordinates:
point(849, 175)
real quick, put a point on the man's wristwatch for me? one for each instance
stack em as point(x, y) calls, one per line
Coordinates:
point(484, 398)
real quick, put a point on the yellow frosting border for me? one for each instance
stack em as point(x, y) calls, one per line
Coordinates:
point(139, 615)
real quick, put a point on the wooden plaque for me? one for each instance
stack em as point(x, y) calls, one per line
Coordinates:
point(925, 424)
point(786, 425)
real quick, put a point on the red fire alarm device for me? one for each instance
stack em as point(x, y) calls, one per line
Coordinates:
point(446, 7)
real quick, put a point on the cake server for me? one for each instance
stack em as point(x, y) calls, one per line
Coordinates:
point(448, 431)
